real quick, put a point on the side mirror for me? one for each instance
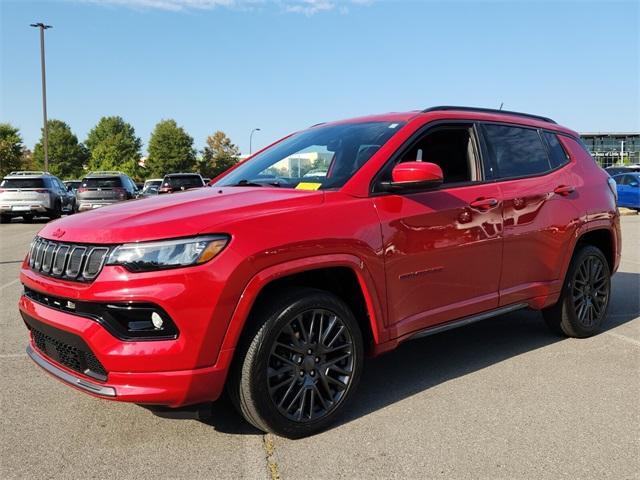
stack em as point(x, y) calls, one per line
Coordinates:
point(634, 184)
point(408, 176)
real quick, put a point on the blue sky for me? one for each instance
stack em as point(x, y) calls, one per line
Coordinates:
point(282, 65)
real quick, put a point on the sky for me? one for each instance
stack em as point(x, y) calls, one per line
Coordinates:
point(283, 65)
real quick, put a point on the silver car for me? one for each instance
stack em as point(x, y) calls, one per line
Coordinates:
point(104, 188)
point(28, 194)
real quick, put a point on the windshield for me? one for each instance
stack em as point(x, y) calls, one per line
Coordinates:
point(179, 181)
point(152, 185)
point(22, 183)
point(319, 158)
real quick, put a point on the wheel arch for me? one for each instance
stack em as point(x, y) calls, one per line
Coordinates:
point(344, 275)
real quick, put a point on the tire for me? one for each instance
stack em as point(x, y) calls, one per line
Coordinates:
point(583, 303)
point(56, 212)
point(5, 219)
point(298, 363)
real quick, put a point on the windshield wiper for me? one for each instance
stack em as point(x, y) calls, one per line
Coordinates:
point(248, 183)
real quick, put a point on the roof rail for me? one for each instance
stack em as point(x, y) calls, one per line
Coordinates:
point(29, 172)
point(489, 110)
point(104, 172)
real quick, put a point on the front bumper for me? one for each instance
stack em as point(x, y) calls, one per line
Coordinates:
point(186, 370)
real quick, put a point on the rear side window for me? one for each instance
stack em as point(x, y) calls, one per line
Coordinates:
point(23, 183)
point(516, 151)
point(557, 155)
point(102, 182)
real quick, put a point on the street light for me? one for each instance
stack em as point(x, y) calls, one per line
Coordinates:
point(42, 28)
point(251, 138)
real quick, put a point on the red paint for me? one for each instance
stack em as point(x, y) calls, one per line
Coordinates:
point(420, 258)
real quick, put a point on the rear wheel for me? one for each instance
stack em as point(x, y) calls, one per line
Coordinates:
point(299, 364)
point(57, 211)
point(585, 295)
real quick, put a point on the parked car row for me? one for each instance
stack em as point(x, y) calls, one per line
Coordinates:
point(28, 194)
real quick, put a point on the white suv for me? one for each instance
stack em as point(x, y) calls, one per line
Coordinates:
point(28, 194)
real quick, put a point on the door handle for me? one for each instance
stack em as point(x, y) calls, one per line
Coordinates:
point(564, 190)
point(484, 203)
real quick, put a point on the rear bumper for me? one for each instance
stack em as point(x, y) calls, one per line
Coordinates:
point(91, 204)
point(17, 208)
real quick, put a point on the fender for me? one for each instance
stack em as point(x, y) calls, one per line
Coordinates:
point(266, 276)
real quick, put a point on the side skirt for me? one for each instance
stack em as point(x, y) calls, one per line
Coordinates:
point(467, 320)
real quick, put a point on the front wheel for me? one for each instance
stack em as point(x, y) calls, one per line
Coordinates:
point(583, 304)
point(299, 364)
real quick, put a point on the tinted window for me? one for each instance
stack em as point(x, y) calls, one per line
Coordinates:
point(102, 182)
point(23, 183)
point(622, 179)
point(186, 181)
point(516, 151)
point(557, 155)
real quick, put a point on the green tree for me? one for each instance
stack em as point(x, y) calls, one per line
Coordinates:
point(113, 145)
point(218, 155)
point(11, 149)
point(170, 150)
point(66, 155)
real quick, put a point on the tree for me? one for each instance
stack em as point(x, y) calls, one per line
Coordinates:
point(66, 155)
point(11, 149)
point(114, 146)
point(170, 150)
point(218, 155)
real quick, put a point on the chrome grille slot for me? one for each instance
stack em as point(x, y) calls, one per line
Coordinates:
point(75, 261)
point(81, 263)
point(61, 260)
point(47, 259)
point(94, 262)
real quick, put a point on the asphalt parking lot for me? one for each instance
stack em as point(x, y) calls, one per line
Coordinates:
point(502, 399)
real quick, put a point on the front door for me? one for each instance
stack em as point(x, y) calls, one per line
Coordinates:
point(442, 248)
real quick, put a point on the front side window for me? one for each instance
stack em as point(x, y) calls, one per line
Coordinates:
point(322, 157)
point(516, 151)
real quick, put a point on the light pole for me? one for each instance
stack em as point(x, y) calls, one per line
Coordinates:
point(251, 138)
point(42, 28)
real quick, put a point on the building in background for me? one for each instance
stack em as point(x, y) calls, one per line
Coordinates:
point(613, 148)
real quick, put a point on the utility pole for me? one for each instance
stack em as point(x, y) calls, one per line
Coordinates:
point(42, 28)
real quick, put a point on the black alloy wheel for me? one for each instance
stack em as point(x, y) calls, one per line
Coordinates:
point(310, 365)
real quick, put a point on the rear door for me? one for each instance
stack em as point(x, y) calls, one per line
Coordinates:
point(537, 180)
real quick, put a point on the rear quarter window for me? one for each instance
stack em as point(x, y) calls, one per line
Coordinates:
point(557, 155)
point(516, 151)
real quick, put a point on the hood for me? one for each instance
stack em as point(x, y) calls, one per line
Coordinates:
point(204, 210)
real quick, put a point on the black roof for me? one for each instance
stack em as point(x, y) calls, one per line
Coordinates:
point(488, 110)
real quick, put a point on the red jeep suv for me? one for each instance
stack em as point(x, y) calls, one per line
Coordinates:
point(336, 242)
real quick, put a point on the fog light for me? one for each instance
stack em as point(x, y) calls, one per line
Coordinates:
point(156, 320)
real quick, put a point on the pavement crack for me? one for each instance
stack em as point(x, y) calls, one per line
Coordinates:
point(269, 449)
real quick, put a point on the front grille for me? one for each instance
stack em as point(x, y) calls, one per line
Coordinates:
point(65, 348)
point(81, 263)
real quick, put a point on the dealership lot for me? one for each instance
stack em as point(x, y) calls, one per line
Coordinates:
point(500, 399)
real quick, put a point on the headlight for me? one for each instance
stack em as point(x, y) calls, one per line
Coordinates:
point(147, 256)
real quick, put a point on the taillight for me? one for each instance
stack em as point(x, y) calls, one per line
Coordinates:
point(82, 189)
point(41, 190)
point(1, 190)
point(613, 187)
point(120, 191)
